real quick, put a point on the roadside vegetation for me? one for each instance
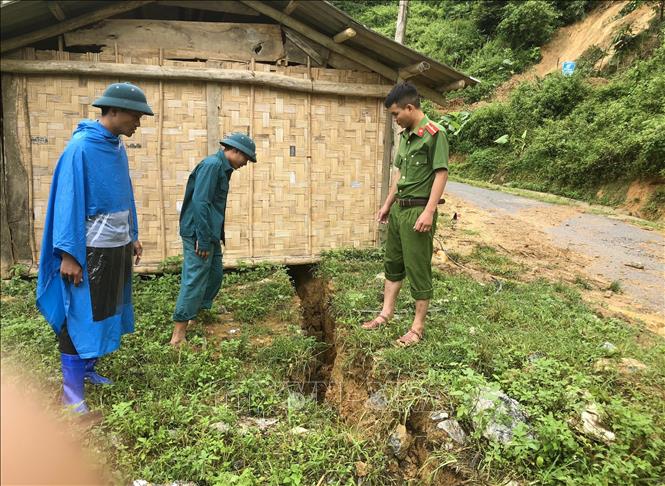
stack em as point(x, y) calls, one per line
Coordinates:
point(587, 137)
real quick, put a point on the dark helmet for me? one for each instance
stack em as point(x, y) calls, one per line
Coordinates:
point(242, 142)
point(126, 96)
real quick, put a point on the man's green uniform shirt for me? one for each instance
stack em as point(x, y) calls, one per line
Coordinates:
point(421, 152)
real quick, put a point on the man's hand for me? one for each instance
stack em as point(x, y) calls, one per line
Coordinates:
point(138, 251)
point(424, 222)
point(382, 214)
point(70, 270)
point(202, 253)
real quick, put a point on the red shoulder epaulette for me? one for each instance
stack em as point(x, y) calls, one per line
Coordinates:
point(431, 128)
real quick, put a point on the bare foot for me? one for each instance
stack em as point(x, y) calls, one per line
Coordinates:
point(178, 338)
point(378, 321)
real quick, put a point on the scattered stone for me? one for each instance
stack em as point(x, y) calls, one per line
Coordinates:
point(626, 366)
point(140, 482)
point(380, 277)
point(591, 425)
point(439, 415)
point(400, 441)
point(533, 357)
point(378, 400)
point(233, 331)
point(630, 365)
point(296, 401)
point(222, 427)
point(362, 469)
point(504, 414)
point(608, 294)
point(603, 364)
point(298, 430)
point(472, 331)
point(453, 429)
point(638, 265)
point(263, 424)
point(609, 347)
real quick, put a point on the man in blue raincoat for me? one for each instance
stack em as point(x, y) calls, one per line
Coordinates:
point(90, 239)
point(202, 229)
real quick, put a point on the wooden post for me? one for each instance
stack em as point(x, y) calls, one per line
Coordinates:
point(17, 243)
point(308, 140)
point(402, 15)
point(160, 176)
point(250, 206)
point(213, 98)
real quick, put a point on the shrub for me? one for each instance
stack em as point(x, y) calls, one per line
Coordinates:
point(485, 126)
point(529, 23)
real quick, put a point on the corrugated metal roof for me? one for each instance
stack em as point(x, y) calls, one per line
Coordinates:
point(20, 17)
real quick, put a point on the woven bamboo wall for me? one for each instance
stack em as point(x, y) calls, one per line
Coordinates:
point(317, 184)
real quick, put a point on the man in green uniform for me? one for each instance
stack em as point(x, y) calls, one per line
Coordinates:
point(410, 208)
point(202, 229)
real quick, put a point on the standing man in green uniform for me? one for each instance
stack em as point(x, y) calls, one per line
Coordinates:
point(202, 229)
point(410, 209)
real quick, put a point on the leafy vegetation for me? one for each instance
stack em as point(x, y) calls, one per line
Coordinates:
point(565, 136)
point(489, 39)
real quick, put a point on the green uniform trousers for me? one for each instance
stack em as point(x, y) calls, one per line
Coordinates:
point(200, 281)
point(409, 252)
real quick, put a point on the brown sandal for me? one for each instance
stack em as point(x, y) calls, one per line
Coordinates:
point(407, 342)
point(376, 323)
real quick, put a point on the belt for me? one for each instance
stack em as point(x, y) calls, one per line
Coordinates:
point(416, 201)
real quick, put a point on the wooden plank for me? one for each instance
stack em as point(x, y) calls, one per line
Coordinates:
point(346, 51)
point(15, 178)
point(227, 6)
point(86, 19)
point(257, 78)
point(239, 41)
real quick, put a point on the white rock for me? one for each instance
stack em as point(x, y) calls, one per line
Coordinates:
point(453, 429)
point(439, 415)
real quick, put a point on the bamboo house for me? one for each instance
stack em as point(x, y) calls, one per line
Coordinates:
point(301, 77)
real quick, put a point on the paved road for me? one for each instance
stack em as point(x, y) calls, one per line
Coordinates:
point(614, 245)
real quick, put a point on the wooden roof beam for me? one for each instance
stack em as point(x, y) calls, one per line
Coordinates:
point(413, 70)
point(56, 11)
point(454, 86)
point(291, 6)
point(346, 51)
point(303, 45)
point(345, 35)
point(71, 24)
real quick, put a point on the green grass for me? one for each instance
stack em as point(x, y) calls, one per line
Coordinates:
point(537, 342)
point(159, 414)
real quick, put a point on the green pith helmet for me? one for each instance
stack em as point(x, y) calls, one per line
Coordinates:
point(126, 96)
point(242, 142)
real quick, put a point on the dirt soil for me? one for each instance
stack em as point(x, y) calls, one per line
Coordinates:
point(560, 243)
